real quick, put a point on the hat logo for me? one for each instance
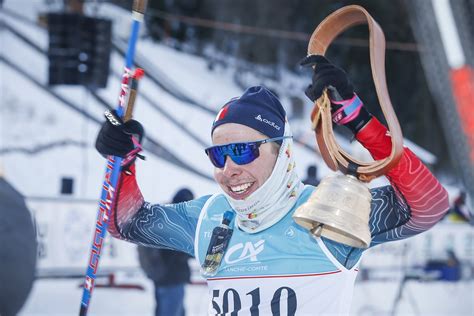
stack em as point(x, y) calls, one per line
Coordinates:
point(272, 124)
point(222, 113)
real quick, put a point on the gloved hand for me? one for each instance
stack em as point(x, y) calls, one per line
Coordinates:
point(349, 111)
point(120, 139)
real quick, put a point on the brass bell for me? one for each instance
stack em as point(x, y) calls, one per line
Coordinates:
point(339, 210)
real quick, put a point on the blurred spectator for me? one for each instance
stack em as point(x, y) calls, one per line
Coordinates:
point(169, 271)
point(448, 269)
point(312, 176)
point(18, 249)
point(459, 211)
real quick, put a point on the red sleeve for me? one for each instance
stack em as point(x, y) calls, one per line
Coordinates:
point(128, 200)
point(411, 179)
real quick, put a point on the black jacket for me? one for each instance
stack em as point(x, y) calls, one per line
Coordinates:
point(164, 267)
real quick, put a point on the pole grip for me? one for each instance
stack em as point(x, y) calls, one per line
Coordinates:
point(139, 6)
point(138, 74)
point(131, 101)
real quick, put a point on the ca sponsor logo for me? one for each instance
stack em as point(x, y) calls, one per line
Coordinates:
point(241, 251)
point(259, 118)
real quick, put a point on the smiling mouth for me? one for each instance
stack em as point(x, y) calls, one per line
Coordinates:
point(241, 188)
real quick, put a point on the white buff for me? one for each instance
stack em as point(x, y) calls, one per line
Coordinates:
point(272, 201)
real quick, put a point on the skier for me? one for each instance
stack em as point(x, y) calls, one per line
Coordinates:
point(256, 259)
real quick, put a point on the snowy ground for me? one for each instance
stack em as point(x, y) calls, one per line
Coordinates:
point(62, 297)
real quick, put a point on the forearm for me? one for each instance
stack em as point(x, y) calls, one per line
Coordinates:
point(418, 201)
point(127, 202)
point(162, 226)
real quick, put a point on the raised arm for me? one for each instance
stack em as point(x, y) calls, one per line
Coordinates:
point(170, 226)
point(415, 202)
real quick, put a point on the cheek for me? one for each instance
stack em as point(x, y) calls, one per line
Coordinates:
point(264, 169)
point(218, 175)
point(268, 171)
point(220, 178)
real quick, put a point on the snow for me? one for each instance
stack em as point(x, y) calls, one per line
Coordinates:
point(48, 298)
point(30, 117)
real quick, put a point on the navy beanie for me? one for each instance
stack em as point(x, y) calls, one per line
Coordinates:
point(257, 108)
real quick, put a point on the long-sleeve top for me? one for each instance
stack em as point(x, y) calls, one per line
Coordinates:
point(412, 203)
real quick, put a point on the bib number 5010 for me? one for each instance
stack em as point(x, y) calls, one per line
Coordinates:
point(255, 296)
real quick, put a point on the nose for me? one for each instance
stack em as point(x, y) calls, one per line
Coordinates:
point(231, 168)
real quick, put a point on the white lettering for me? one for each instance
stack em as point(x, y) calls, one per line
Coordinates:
point(272, 124)
point(249, 251)
point(112, 119)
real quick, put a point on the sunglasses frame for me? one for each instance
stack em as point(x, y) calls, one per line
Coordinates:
point(257, 143)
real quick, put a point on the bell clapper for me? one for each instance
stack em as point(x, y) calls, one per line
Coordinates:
point(317, 230)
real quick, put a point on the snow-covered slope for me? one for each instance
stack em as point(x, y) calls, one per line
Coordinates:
point(32, 117)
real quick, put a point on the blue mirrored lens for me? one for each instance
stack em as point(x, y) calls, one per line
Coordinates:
point(240, 153)
point(216, 156)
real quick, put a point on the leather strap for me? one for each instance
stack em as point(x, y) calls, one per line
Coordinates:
point(333, 155)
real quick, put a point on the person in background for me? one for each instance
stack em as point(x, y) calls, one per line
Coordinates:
point(19, 249)
point(312, 176)
point(459, 211)
point(169, 271)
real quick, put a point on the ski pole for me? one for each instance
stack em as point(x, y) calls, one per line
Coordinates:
point(112, 171)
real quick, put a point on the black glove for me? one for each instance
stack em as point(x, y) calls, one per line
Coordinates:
point(327, 75)
point(115, 136)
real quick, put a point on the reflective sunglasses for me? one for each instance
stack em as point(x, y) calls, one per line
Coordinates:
point(240, 153)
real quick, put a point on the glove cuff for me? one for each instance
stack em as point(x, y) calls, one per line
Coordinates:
point(350, 113)
point(130, 158)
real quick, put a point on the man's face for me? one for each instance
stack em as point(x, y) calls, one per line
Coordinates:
point(239, 181)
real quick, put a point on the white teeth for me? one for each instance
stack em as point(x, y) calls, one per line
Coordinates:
point(241, 188)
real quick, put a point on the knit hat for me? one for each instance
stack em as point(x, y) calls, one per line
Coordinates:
point(257, 108)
